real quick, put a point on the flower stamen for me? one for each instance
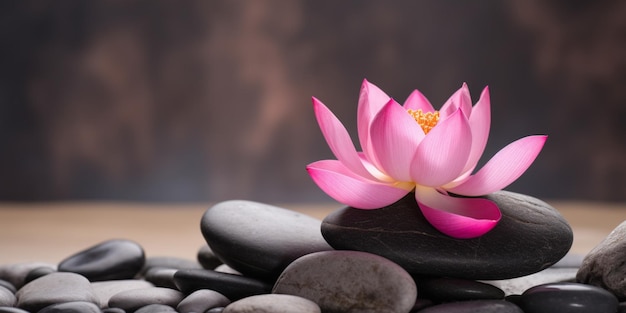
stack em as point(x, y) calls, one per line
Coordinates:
point(426, 120)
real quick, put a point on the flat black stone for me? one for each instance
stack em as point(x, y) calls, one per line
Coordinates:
point(109, 260)
point(446, 289)
point(531, 236)
point(260, 240)
point(233, 287)
point(568, 297)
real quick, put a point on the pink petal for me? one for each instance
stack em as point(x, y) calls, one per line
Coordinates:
point(371, 101)
point(461, 218)
point(460, 99)
point(441, 156)
point(504, 168)
point(338, 139)
point(395, 137)
point(342, 185)
point(479, 121)
point(417, 101)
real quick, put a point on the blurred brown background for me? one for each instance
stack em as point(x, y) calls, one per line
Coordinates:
point(210, 100)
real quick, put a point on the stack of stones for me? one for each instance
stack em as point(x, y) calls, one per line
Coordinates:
point(262, 258)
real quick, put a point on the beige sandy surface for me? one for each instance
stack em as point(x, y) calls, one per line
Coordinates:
point(50, 232)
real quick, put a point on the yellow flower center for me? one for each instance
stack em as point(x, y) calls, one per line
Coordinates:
point(426, 120)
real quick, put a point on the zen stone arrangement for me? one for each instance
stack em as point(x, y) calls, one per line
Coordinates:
point(262, 258)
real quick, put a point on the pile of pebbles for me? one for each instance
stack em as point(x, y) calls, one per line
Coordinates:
point(262, 258)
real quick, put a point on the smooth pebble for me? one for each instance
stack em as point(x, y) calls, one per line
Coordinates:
point(131, 300)
point(273, 303)
point(349, 281)
point(55, 288)
point(202, 300)
point(111, 259)
point(568, 297)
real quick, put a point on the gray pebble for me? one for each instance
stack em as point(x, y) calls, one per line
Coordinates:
point(15, 273)
point(349, 281)
point(7, 285)
point(273, 303)
point(71, 307)
point(155, 308)
point(161, 277)
point(7, 298)
point(104, 290)
point(55, 288)
point(215, 310)
point(168, 262)
point(202, 300)
point(38, 272)
point(7, 309)
point(604, 266)
point(134, 299)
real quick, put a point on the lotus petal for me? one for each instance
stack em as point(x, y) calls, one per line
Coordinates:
point(417, 101)
point(462, 218)
point(395, 137)
point(504, 168)
point(344, 186)
point(371, 101)
point(338, 139)
point(442, 154)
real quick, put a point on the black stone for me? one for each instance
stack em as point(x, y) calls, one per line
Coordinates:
point(482, 306)
point(109, 260)
point(568, 297)
point(444, 289)
point(233, 287)
point(71, 307)
point(531, 236)
point(260, 240)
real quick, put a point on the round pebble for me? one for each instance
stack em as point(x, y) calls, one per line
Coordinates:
point(161, 277)
point(7, 298)
point(168, 262)
point(476, 306)
point(131, 300)
point(113, 310)
point(568, 297)
point(7, 285)
point(155, 308)
point(112, 259)
point(604, 266)
point(71, 307)
point(104, 290)
point(6, 309)
point(202, 300)
point(530, 237)
point(273, 303)
point(38, 272)
point(55, 288)
point(349, 281)
point(260, 240)
point(16, 273)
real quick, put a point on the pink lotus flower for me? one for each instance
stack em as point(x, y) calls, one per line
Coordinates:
point(413, 148)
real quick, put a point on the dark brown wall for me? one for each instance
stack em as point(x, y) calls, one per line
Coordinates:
point(210, 100)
